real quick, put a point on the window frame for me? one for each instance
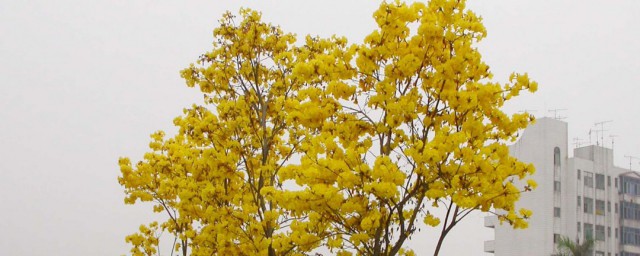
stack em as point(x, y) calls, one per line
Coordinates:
point(599, 181)
point(588, 179)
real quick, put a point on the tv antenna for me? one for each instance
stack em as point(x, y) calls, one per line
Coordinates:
point(577, 142)
point(601, 131)
point(631, 158)
point(555, 113)
point(613, 141)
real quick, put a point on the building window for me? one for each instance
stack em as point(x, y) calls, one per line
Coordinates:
point(608, 231)
point(556, 156)
point(556, 186)
point(588, 179)
point(578, 174)
point(630, 185)
point(599, 207)
point(629, 211)
point(588, 231)
point(615, 207)
point(579, 201)
point(608, 181)
point(599, 253)
point(556, 238)
point(556, 212)
point(630, 236)
point(588, 205)
point(615, 182)
point(600, 181)
point(608, 206)
point(579, 226)
point(616, 232)
point(599, 233)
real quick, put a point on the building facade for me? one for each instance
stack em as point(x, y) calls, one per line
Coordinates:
point(581, 197)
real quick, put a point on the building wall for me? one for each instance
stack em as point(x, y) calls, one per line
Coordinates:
point(595, 161)
point(629, 219)
point(536, 146)
point(564, 187)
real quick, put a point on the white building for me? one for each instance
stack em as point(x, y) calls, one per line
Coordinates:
point(578, 197)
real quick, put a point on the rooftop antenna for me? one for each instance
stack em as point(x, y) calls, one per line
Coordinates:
point(631, 158)
point(601, 131)
point(577, 142)
point(555, 113)
point(527, 110)
point(599, 139)
point(613, 141)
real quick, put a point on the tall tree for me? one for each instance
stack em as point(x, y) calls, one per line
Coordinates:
point(420, 128)
point(326, 144)
point(211, 178)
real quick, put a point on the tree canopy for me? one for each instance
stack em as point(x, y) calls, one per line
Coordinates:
point(326, 144)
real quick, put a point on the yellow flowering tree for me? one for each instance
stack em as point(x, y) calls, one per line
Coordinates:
point(420, 128)
point(329, 145)
point(212, 178)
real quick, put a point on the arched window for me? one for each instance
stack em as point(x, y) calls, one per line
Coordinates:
point(556, 156)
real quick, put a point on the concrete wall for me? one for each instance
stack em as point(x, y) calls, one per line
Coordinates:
point(536, 146)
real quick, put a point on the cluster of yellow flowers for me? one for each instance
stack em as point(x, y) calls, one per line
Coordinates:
point(334, 145)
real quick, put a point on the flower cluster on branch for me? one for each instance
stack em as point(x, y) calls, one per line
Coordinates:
point(326, 144)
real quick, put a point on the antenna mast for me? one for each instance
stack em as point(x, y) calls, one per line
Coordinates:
point(601, 131)
point(613, 142)
point(631, 158)
point(577, 142)
point(555, 113)
point(529, 111)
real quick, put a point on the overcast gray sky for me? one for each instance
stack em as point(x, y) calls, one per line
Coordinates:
point(84, 82)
